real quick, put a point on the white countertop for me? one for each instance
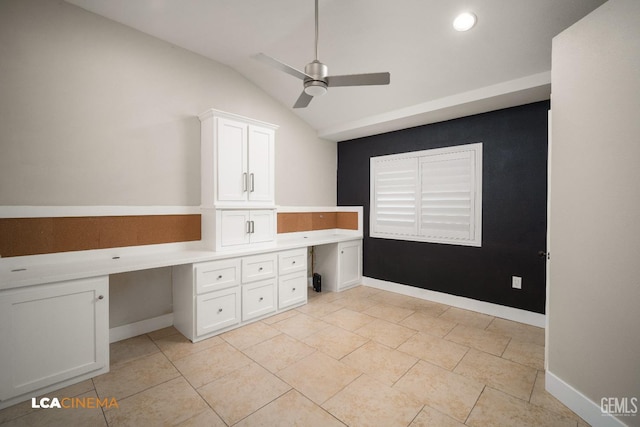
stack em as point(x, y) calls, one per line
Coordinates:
point(18, 272)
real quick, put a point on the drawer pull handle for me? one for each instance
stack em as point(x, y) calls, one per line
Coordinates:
point(293, 262)
point(261, 298)
point(100, 296)
point(293, 290)
point(260, 269)
point(219, 310)
point(220, 277)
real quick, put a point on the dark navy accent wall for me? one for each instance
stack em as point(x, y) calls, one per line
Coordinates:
point(514, 207)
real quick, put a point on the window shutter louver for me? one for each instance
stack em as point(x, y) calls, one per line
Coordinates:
point(428, 196)
point(395, 197)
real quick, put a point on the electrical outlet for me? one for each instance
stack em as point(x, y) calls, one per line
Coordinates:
point(516, 282)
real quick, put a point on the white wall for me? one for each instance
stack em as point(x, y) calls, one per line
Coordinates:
point(594, 292)
point(95, 113)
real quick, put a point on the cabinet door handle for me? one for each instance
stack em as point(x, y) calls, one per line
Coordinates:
point(293, 262)
point(261, 298)
point(253, 227)
point(293, 289)
point(253, 183)
point(244, 182)
point(248, 227)
point(219, 310)
point(219, 277)
point(100, 296)
point(260, 269)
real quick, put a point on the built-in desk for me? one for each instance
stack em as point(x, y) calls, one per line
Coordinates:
point(55, 307)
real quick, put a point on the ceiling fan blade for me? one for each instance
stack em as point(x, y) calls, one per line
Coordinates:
point(303, 100)
point(359, 79)
point(280, 66)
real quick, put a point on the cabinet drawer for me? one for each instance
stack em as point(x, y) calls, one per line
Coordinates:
point(292, 289)
point(216, 275)
point(258, 299)
point(217, 310)
point(258, 267)
point(291, 261)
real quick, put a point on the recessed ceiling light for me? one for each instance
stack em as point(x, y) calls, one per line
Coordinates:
point(465, 21)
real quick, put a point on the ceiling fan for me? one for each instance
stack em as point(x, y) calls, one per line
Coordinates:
point(315, 76)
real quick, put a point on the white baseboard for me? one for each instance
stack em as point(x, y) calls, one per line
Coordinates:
point(586, 408)
point(510, 313)
point(131, 330)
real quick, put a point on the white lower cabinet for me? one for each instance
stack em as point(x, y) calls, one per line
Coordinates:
point(216, 296)
point(53, 335)
point(217, 310)
point(292, 289)
point(258, 299)
point(339, 264)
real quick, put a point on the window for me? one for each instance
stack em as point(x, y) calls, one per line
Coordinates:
point(428, 196)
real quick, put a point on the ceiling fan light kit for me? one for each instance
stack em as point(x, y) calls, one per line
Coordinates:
point(316, 79)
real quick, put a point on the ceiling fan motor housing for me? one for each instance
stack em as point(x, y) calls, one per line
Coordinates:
point(317, 84)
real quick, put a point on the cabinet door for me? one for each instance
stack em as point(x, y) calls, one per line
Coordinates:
point(349, 264)
point(263, 226)
point(234, 228)
point(258, 299)
point(292, 289)
point(217, 310)
point(231, 160)
point(52, 333)
point(261, 164)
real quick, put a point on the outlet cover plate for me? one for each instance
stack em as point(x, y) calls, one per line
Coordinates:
point(516, 282)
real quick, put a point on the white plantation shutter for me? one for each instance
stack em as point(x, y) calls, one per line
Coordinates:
point(395, 198)
point(430, 196)
point(447, 196)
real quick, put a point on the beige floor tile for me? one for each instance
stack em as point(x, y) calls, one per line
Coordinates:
point(138, 375)
point(360, 292)
point(16, 411)
point(430, 417)
point(208, 365)
point(176, 346)
point(479, 339)
point(424, 322)
point(73, 390)
point(541, 397)
point(242, 392)
point(387, 333)
point(206, 418)
point(249, 335)
point(392, 298)
point(130, 349)
point(161, 333)
point(169, 403)
point(278, 352)
point(335, 342)
point(355, 303)
point(518, 331)
point(378, 361)
point(436, 350)
point(495, 408)
point(441, 389)
point(325, 296)
point(300, 326)
point(426, 307)
point(291, 409)
point(318, 309)
point(281, 316)
point(502, 374)
point(368, 402)
point(319, 376)
point(467, 317)
point(348, 319)
point(61, 417)
point(525, 353)
point(390, 313)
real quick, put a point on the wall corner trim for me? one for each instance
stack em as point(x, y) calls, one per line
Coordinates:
point(586, 408)
point(504, 312)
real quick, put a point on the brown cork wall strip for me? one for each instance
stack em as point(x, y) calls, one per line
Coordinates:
point(33, 236)
point(290, 222)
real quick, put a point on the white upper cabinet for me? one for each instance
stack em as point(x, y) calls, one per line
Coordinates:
point(237, 161)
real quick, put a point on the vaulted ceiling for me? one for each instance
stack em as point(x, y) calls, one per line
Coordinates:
point(437, 73)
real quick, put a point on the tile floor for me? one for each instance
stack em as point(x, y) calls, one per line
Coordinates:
point(362, 357)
